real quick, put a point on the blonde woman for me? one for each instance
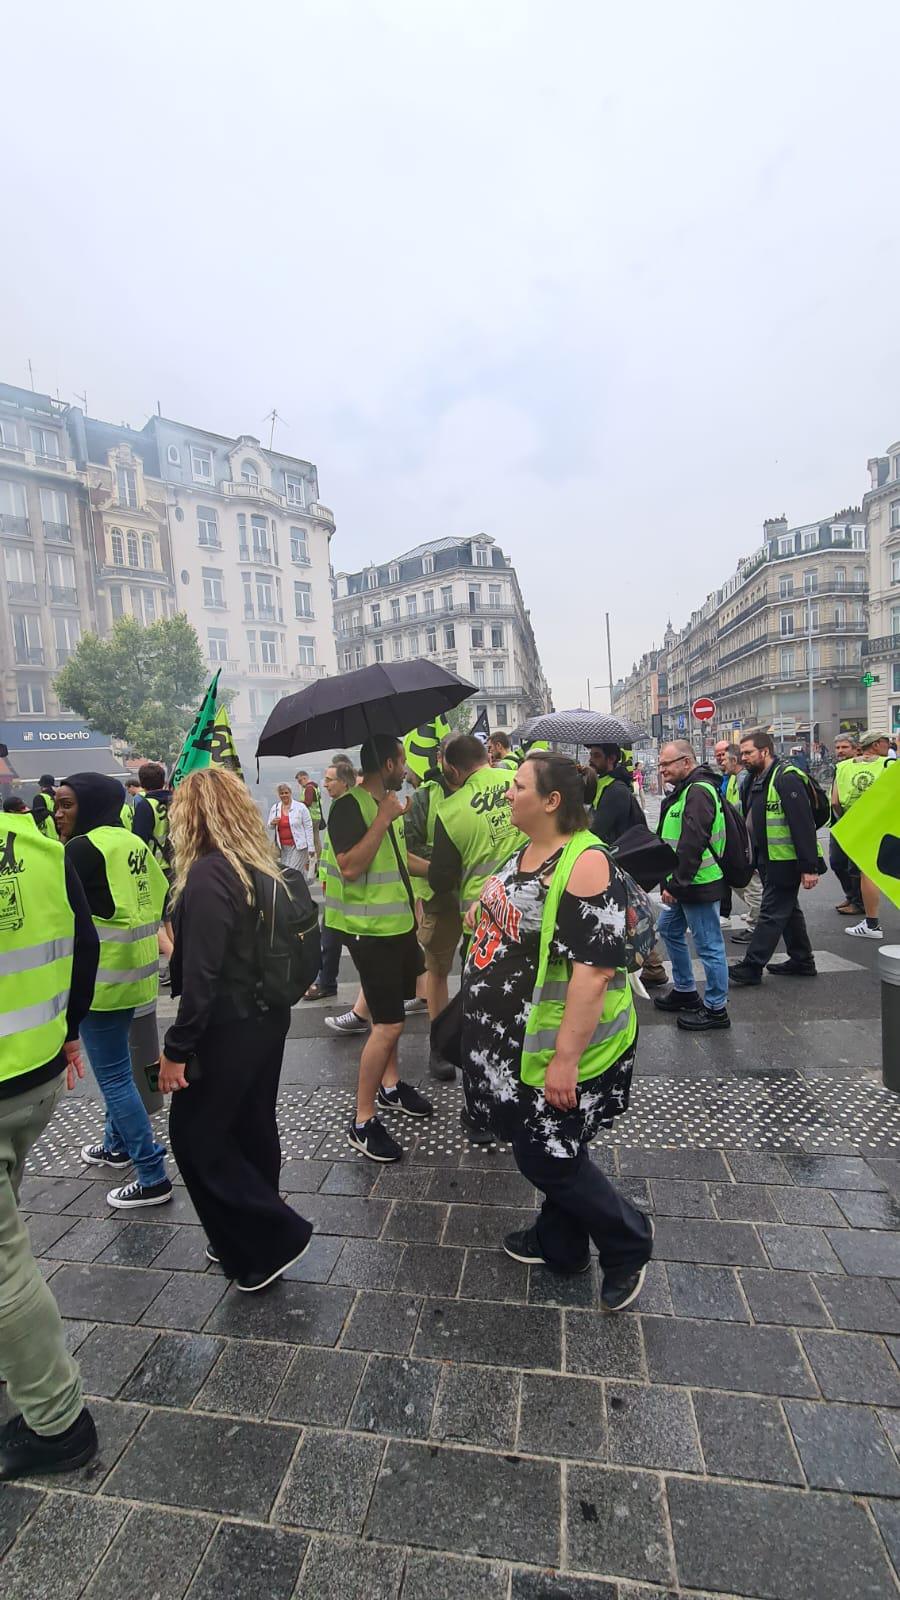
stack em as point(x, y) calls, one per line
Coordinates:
point(222, 1057)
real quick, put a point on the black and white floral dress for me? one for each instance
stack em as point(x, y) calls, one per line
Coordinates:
point(498, 983)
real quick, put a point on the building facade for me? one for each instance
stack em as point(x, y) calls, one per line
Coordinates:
point(129, 526)
point(881, 650)
point(456, 601)
point(801, 596)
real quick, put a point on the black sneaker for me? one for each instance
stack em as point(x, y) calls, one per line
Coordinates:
point(24, 1453)
point(792, 969)
point(97, 1155)
point(403, 1097)
point(475, 1132)
point(133, 1195)
point(252, 1282)
point(704, 1020)
point(523, 1246)
point(678, 1000)
point(211, 1255)
point(743, 976)
point(618, 1292)
point(440, 1069)
point(374, 1141)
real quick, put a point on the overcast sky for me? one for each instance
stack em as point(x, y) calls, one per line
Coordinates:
point(610, 282)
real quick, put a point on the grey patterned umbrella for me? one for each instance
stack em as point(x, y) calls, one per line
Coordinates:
point(580, 727)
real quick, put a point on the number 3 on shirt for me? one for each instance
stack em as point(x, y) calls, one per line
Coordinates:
point(484, 945)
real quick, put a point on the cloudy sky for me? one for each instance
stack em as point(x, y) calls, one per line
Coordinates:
point(610, 282)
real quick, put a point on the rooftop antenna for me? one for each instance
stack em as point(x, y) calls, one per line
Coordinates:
point(83, 399)
point(30, 374)
point(272, 417)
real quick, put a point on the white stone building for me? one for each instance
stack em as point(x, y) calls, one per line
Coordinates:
point(881, 651)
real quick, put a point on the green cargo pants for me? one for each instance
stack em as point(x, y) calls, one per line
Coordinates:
point(42, 1380)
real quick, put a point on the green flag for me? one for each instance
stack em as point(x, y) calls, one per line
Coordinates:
point(870, 832)
point(421, 745)
point(197, 749)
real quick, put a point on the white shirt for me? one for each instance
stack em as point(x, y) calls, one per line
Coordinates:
point(301, 824)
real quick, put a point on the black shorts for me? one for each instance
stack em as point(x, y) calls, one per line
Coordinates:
point(388, 969)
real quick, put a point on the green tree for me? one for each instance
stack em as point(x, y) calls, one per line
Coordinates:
point(140, 684)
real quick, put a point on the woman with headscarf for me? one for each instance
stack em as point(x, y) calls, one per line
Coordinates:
point(125, 891)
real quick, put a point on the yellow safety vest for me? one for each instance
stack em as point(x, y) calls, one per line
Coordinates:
point(37, 941)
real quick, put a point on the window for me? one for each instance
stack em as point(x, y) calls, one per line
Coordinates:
point(497, 636)
point(397, 646)
point(372, 579)
point(303, 606)
point(895, 621)
point(8, 436)
point(376, 615)
point(810, 581)
point(268, 649)
point(428, 563)
point(785, 588)
point(858, 538)
point(259, 533)
point(499, 674)
point(149, 599)
point(300, 547)
point(477, 636)
point(12, 508)
point(809, 538)
point(495, 595)
point(840, 614)
point(348, 661)
point(447, 597)
point(201, 464)
point(31, 698)
point(841, 653)
point(306, 650)
point(395, 610)
point(481, 555)
point(117, 547)
point(787, 624)
point(116, 607)
point(343, 625)
point(379, 649)
point(810, 617)
point(413, 646)
point(428, 600)
point(430, 641)
point(786, 663)
point(45, 443)
point(449, 637)
point(217, 644)
point(858, 614)
point(786, 546)
point(840, 577)
point(895, 566)
point(295, 490)
point(213, 588)
point(61, 576)
point(359, 658)
point(54, 512)
point(895, 513)
point(208, 526)
point(265, 595)
point(393, 574)
point(895, 678)
point(412, 605)
point(27, 637)
point(474, 596)
point(860, 575)
point(126, 486)
point(147, 551)
point(66, 634)
point(250, 473)
point(478, 673)
point(131, 548)
point(20, 573)
point(500, 711)
point(355, 619)
point(251, 647)
point(816, 661)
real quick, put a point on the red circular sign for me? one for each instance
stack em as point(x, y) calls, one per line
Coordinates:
point(704, 709)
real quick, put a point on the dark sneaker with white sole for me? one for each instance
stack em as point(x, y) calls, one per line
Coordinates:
point(211, 1255)
point(374, 1141)
point(618, 1291)
point(97, 1155)
point(348, 1022)
point(252, 1282)
point(404, 1098)
point(523, 1245)
point(25, 1454)
point(133, 1195)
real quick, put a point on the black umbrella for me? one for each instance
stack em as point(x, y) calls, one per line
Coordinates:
point(581, 727)
point(386, 698)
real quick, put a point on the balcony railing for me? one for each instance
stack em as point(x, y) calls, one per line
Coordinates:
point(225, 665)
point(20, 526)
point(214, 602)
point(31, 655)
point(885, 647)
point(270, 497)
point(22, 591)
point(263, 613)
point(59, 532)
point(257, 555)
point(304, 616)
point(269, 669)
point(308, 672)
point(62, 595)
point(32, 458)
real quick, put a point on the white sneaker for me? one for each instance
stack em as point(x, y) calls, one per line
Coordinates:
point(861, 930)
point(411, 1006)
point(347, 1022)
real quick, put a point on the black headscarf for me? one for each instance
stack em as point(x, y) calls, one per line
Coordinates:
point(100, 801)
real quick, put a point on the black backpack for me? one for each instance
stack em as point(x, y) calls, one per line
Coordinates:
point(288, 946)
point(736, 860)
point(818, 799)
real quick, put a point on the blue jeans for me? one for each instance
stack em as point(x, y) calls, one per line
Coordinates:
point(706, 930)
point(104, 1035)
point(332, 945)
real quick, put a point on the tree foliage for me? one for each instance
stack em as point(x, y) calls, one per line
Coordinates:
point(139, 684)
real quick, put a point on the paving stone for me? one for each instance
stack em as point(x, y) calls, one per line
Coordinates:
point(843, 1447)
point(396, 1397)
point(887, 1168)
point(832, 1172)
point(59, 1546)
point(427, 1577)
point(173, 1371)
point(865, 1209)
point(609, 1347)
point(508, 1189)
point(580, 1290)
point(868, 1305)
point(291, 1313)
point(887, 1515)
point(616, 1523)
point(549, 1586)
point(477, 1405)
point(725, 1354)
point(786, 1297)
point(798, 1249)
point(484, 1227)
point(155, 1553)
point(41, 1194)
point(185, 1251)
point(806, 1206)
point(245, 1379)
point(488, 1334)
point(205, 1463)
point(874, 1255)
point(330, 1483)
point(17, 1504)
point(703, 1165)
point(853, 1366)
point(562, 1416)
point(348, 1177)
point(415, 1223)
point(318, 1261)
point(137, 1244)
point(336, 1570)
point(652, 1427)
point(637, 1190)
point(109, 1355)
point(775, 1543)
point(890, 1421)
point(186, 1301)
point(319, 1387)
point(75, 1331)
point(305, 1177)
point(106, 1294)
point(385, 1322)
point(367, 1264)
point(242, 1560)
point(745, 1437)
point(673, 1198)
point(348, 1216)
point(726, 1244)
point(86, 1240)
point(755, 1166)
point(405, 1182)
point(423, 1269)
point(706, 1292)
point(449, 1500)
point(44, 1231)
point(743, 1202)
point(493, 1275)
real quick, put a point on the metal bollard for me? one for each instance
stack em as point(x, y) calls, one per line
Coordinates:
point(889, 969)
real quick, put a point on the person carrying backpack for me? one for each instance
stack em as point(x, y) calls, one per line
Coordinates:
point(785, 807)
point(222, 1056)
point(693, 821)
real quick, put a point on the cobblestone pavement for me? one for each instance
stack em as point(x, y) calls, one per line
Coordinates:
point(414, 1416)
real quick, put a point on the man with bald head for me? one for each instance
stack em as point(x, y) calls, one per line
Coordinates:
point(692, 821)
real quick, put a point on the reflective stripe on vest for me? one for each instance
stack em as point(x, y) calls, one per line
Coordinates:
point(709, 870)
point(315, 808)
point(779, 840)
point(377, 903)
point(478, 821)
point(37, 941)
point(129, 958)
point(616, 1028)
point(127, 816)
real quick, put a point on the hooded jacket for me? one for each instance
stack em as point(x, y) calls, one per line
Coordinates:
point(696, 827)
point(100, 802)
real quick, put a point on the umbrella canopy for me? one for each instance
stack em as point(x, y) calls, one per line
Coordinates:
point(390, 697)
point(580, 727)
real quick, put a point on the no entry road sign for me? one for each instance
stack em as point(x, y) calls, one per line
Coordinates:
point(704, 709)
